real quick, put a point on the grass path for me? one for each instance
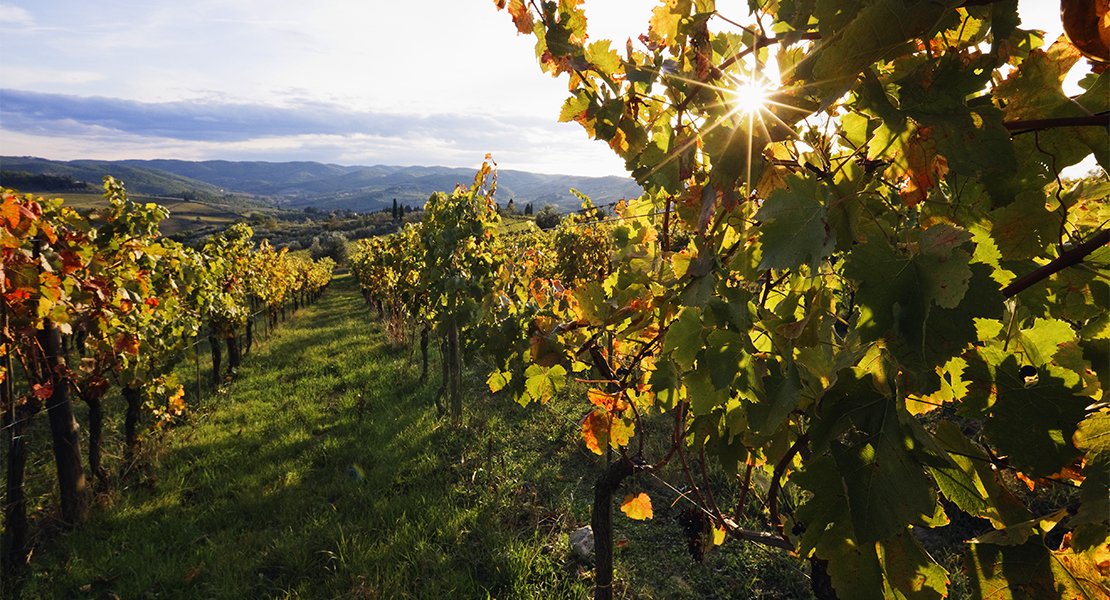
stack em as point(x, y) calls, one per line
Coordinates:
point(323, 471)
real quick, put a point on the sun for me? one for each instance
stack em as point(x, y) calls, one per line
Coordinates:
point(749, 98)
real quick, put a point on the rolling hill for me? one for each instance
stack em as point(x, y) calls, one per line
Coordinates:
point(323, 186)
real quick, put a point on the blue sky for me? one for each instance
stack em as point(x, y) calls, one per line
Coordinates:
point(435, 82)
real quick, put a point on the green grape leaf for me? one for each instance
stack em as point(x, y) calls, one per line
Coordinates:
point(1042, 341)
point(543, 382)
point(1025, 228)
point(854, 39)
point(909, 570)
point(970, 482)
point(664, 383)
point(972, 140)
point(886, 488)
point(576, 107)
point(827, 524)
point(795, 229)
point(684, 338)
point(592, 304)
point(1093, 438)
point(726, 354)
point(884, 479)
point(1032, 423)
point(764, 418)
point(497, 380)
point(602, 58)
point(701, 393)
point(895, 291)
point(853, 394)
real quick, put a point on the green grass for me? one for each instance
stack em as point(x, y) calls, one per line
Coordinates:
point(324, 471)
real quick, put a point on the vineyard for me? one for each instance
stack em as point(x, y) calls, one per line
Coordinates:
point(95, 302)
point(857, 299)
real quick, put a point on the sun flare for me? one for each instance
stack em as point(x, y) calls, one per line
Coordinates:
point(749, 98)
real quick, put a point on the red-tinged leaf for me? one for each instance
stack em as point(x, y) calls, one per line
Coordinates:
point(9, 211)
point(610, 402)
point(127, 344)
point(48, 230)
point(637, 507)
point(71, 261)
point(97, 387)
point(42, 392)
point(30, 211)
point(595, 430)
point(921, 166)
point(522, 16)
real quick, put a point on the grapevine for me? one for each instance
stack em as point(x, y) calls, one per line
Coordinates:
point(874, 287)
point(127, 301)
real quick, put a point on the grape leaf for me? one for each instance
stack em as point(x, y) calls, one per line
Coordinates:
point(637, 507)
point(1010, 572)
point(895, 292)
point(602, 58)
point(1025, 228)
point(684, 337)
point(601, 427)
point(971, 139)
point(497, 380)
point(764, 418)
point(543, 382)
point(727, 356)
point(795, 229)
point(1032, 423)
point(1093, 437)
point(827, 532)
point(1032, 571)
point(854, 39)
point(665, 19)
point(1042, 341)
point(702, 394)
point(909, 569)
point(883, 479)
point(971, 483)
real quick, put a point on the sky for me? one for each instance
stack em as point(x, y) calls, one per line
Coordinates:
point(367, 82)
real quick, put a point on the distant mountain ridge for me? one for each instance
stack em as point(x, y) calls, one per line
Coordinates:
point(326, 186)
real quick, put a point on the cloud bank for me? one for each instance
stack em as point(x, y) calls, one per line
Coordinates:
point(303, 129)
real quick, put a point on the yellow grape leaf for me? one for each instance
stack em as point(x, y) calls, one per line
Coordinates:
point(497, 380)
point(718, 536)
point(637, 507)
point(621, 431)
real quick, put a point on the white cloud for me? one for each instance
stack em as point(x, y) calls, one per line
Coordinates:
point(16, 16)
point(21, 77)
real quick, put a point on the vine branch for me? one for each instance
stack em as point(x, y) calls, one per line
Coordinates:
point(1099, 120)
point(1065, 260)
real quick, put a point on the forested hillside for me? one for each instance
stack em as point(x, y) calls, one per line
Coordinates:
point(325, 187)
